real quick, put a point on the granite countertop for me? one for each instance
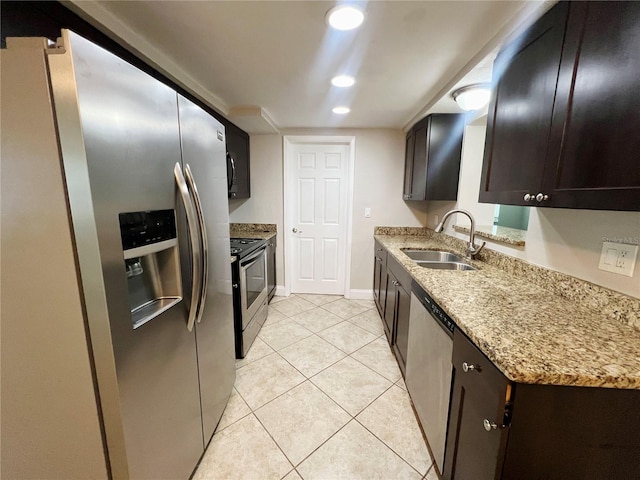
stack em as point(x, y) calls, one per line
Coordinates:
point(264, 231)
point(246, 234)
point(532, 334)
point(510, 236)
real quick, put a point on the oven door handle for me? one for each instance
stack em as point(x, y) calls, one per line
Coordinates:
point(245, 261)
point(191, 183)
point(194, 239)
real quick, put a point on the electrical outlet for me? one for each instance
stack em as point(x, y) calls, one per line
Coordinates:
point(618, 258)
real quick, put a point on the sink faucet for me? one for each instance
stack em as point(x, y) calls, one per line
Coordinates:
point(472, 249)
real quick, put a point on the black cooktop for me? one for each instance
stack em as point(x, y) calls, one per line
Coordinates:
point(241, 247)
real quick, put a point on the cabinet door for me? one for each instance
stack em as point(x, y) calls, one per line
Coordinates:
point(403, 309)
point(379, 276)
point(408, 165)
point(420, 148)
point(271, 267)
point(477, 395)
point(519, 121)
point(238, 149)
point(391, 302)
point(597, 116)
point(444, 147)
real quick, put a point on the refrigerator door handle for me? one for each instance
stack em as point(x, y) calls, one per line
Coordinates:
point(191, 183)
point(194, 238)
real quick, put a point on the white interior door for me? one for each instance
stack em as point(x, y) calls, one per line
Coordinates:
point(317, 200)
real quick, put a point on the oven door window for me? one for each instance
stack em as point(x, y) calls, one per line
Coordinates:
point(256, 280)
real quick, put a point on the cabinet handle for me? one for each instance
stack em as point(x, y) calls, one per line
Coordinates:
point(407, 197)
point(379, 249)
point(235, 285)
point(541, 197)
point(528, 198)
point(470, 367)
point(378, 259)
point(488, 425)
point(396, 283)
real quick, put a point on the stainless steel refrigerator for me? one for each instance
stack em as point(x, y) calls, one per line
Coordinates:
point(144, 174)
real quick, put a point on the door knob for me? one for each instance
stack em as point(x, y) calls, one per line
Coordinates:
point(295, 230)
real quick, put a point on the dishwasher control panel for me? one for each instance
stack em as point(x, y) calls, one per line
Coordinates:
point(433, 307)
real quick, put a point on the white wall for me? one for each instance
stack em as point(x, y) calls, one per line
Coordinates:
point(378, 182)
point(569, 241)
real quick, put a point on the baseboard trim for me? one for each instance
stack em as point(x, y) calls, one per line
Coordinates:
point(281, 291)
point(358, 294)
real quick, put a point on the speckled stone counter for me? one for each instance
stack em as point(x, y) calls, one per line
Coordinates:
point(532, 333)
point(264, 231)
point(510, 236)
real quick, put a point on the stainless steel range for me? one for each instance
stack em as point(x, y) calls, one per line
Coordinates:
point(249, 290)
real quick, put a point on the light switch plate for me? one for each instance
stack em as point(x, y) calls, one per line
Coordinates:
point(367, 212)
point(618, 258)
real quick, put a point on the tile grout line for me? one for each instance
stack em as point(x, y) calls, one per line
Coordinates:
point(391, 448)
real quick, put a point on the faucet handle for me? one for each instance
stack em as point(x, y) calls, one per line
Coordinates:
point(478, 250)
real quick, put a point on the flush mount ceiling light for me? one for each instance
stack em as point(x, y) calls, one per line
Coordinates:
point(472, 97)
point(343, 81)
point(345, 17)
point(341, 110)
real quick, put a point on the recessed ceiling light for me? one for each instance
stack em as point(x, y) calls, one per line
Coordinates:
point(341, 110)
point(343, 81)
point(345, 17)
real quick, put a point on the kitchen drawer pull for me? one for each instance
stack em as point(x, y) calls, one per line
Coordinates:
point(470, 367)
point(488, 425)
point(541, 197)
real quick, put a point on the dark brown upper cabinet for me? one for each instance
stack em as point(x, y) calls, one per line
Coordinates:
point(432, 158)
point(563, 120)
point(238, 171)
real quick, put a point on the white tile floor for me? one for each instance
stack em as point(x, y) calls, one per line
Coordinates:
point(319, 396)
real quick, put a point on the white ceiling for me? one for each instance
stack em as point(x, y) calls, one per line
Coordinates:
point(267, 65)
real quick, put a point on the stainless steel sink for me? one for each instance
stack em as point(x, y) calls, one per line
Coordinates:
point(446, 265)
point(432, 256)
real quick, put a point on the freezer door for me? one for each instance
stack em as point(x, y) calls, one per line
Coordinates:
point(203, 153)
point(129, 127)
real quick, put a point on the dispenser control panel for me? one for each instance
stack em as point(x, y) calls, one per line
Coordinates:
point(145, 228)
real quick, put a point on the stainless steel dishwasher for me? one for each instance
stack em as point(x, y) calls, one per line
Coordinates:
point(429, 368)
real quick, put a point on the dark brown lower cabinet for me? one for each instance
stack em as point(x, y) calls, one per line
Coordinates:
point(499, 429)
point(403, 304)
point(389, 312)
point(379, 277)
point(397, 310)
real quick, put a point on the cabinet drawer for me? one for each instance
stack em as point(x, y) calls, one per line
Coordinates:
point(381, 253)
point(400, 273)
point(480, 369)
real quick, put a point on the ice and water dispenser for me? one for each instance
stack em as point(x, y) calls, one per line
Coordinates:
point(151, 263)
